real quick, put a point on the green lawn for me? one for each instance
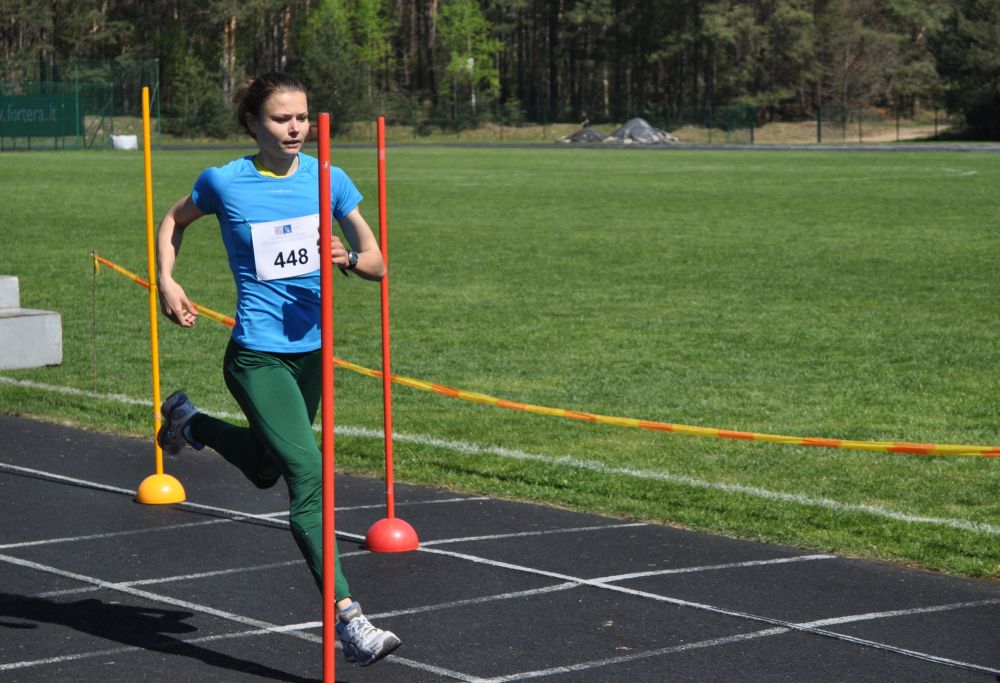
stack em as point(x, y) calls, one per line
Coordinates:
point(828, 294)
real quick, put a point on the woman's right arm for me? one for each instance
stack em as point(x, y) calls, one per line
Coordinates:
point(173, 301)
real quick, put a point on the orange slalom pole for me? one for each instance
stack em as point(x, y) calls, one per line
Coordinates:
point(389, 535)
point(159, 488)
point(327, 420)
point(151, 256)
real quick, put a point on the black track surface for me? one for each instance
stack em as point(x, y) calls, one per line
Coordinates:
point(96, 587)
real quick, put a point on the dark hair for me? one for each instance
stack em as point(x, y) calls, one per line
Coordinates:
point(253, 94)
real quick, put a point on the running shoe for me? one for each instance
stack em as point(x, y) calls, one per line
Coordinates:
point(363, 643)
point(177, 413)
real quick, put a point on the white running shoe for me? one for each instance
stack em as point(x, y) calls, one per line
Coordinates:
point(363, 643)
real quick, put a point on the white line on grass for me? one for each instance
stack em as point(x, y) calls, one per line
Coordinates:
point(576, 463)
point(797, 498)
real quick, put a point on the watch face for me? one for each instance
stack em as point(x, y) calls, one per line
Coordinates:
point(352, 258)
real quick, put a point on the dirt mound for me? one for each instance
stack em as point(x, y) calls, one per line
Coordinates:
point(585, 134)
point(639, 132)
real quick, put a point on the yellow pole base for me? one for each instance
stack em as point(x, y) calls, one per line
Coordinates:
point(160, 489)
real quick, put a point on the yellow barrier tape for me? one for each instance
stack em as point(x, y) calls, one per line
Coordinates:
point(630, 422)
point(208, 312)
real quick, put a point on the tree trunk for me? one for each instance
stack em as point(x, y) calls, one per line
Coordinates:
point(229, 56)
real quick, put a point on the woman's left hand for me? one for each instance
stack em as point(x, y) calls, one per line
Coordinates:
point(338, 253)
point(370, 265)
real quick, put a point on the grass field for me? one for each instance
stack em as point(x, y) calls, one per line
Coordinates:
point(827, 294)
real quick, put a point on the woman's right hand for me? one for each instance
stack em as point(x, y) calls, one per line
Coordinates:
point(175, 304)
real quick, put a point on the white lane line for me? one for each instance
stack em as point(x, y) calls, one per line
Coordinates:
point(597, 583)
point(412, 503)
point(524, 534)
point(261, 627)
point(608, 586)
point(807, 628)
point(801, 627)
point(139, 593)
point(889, 614)
point(110, 534)
point(795, 498)
point(174, 579)
point(413, 664)
point(566, 585)
point(268, 515)
point(598, 663)
point(65, 479)
point(586, 582)
point(232, 515)
point(274, 517)
point(92, 654)
point(29, 663)
point(714, 567)
point(625, 659)
point(515, 595)
point(590, 465)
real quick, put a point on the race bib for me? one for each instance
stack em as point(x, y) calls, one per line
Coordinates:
point(286, 248)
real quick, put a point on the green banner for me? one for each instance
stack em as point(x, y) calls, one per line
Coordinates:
point(40, 115)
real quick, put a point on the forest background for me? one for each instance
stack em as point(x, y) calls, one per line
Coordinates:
point(466, 62)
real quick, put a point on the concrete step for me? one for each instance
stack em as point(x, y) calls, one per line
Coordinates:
point(10, 294)
point(29, 338)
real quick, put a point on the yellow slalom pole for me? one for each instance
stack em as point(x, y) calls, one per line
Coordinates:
point(158, 488)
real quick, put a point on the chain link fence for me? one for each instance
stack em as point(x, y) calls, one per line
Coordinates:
point(748, 125)
point(75, 104)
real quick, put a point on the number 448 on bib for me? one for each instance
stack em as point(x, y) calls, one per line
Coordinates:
point(293, 258)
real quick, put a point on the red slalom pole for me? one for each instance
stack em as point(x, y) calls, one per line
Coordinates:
point(326, 329)
point(390, 496)
point(389, 535)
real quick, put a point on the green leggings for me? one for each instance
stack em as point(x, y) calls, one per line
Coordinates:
point(279, 394)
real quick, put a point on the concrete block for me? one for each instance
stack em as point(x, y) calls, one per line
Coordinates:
point(127, 142)
point(10, 295)
point(29, 338)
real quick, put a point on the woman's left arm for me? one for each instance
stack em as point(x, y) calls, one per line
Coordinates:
point(362, 240)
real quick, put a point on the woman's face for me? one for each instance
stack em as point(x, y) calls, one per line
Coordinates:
point(282, 125)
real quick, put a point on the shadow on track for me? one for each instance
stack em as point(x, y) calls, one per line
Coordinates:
point(140, 627)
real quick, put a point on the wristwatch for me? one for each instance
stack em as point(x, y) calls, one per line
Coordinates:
point(352, 259)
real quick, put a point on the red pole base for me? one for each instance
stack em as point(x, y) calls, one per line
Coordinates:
point(391, 535)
